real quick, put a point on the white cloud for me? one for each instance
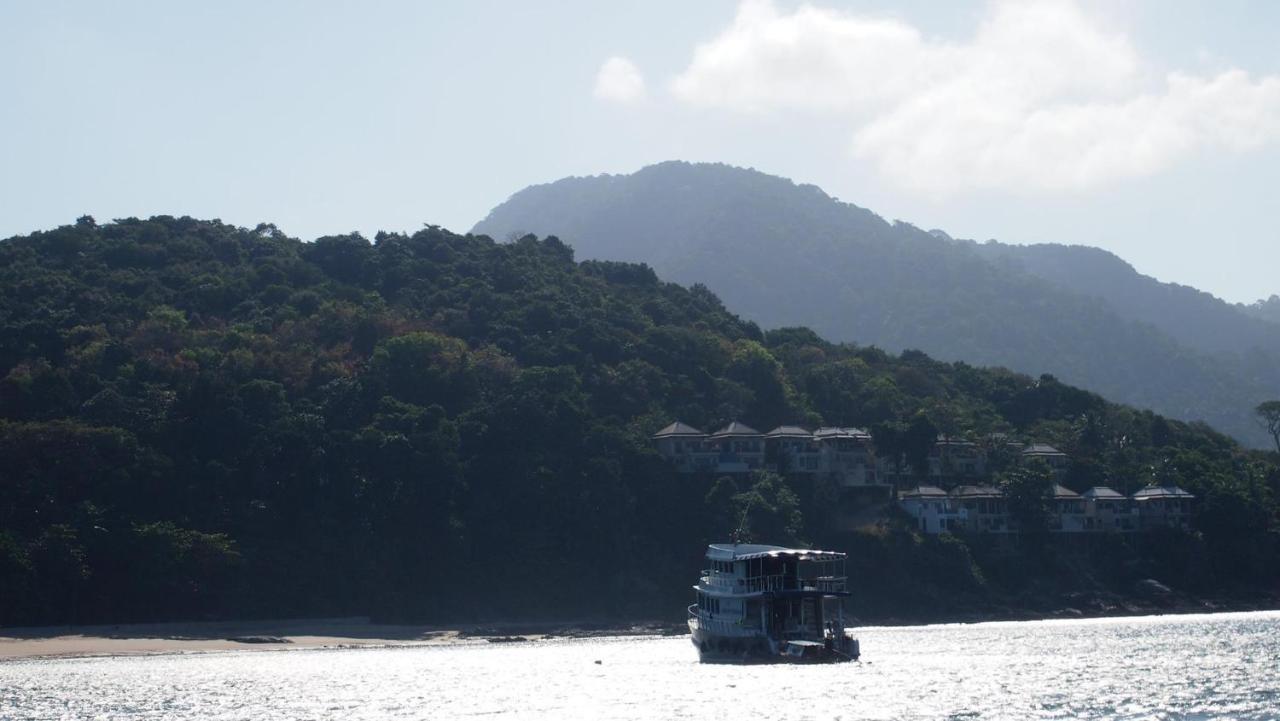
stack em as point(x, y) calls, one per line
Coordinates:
point(619, 81)
point(1043, 96)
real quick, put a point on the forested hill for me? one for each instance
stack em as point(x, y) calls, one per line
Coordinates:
point(1268, 310)
point(1194, 318)
point(199, 420)
point(784, 254)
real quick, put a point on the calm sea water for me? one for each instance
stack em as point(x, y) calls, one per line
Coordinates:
point(1189, 667)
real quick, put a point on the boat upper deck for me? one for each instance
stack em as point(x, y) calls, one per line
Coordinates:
point(745, 569)
point(750, 551)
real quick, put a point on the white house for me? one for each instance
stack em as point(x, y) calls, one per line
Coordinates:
point(1163, 507)
point(1108, 510)
point(953, 457)
point(1052, 457)
point(740, 446)
point(847, 454)
point(1068, 511)
point(981, 509)
point(931, 507)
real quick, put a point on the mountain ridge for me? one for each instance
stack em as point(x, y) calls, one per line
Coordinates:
point(784, 253)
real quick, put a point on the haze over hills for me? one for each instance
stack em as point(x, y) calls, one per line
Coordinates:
point(1268, 310)
point(1192, 317)
point(786, 254)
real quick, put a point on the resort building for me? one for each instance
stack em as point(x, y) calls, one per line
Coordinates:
point(1052, 457)
point(1067, 513)
point(845, 454)
point(930, 507)
point(740, 448)
point(1163, 507)
point(795, 450)
point(984, 509)
point(1108, 510)
point(953, 457)
point(981, 509)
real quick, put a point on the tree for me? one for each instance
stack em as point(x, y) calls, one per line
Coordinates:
point(1269, 419)
point(768, 511)
point(1029, 491)
point(917, 442)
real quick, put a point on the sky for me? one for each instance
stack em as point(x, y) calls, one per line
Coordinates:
point(1150, 128)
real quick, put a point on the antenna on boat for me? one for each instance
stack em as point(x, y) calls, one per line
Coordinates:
point(740, 531)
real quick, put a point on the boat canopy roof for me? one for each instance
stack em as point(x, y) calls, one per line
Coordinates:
point(751, 551)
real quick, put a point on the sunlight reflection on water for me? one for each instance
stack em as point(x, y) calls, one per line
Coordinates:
point(1188, 667)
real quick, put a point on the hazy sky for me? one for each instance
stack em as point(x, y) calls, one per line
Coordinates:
point(1147, 127)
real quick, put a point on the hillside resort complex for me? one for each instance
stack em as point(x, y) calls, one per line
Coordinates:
point(958, 497)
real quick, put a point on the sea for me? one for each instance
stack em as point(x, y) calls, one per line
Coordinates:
point(1219, 666)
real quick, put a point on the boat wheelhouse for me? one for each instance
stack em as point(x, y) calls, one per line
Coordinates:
point(770, 603)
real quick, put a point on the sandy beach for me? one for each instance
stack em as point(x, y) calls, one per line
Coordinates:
point(197, 637)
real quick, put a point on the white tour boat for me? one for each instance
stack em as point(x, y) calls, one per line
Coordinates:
point(769, 603)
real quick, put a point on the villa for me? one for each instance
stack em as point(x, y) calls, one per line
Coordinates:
point(981, 509)
point(845, 454)
point(1068, 510)
point(848, 457)
point(1057, 461)
point(1163, 507)
point(1108, 510)
point(953, 457)
point(931, 507)
point(984, 509)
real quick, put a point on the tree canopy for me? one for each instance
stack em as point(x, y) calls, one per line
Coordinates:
point(201, 420)
point(1269, 415)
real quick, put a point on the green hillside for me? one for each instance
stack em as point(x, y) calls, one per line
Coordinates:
point(783, 254)
point(199, 420)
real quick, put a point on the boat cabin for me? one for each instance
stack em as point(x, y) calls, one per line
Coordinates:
point(756, 595)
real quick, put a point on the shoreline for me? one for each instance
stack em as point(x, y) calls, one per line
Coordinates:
point(165, 638)
point(1119, 610)
point(181, 637)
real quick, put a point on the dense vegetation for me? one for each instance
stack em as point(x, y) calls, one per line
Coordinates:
point(1268, 310)
point(199, 420)
point(1192, 317)
point(782, 254)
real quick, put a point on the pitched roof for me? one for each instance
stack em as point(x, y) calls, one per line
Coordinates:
point(1061, 492)
point(789, 432)
point(945, 440)
point(975, 492)
point(678, 429)
point(734, 429)
point(1161, 492)
point(1041, 449)
point(1103, 492)
point(924, 492)
point(834, 432)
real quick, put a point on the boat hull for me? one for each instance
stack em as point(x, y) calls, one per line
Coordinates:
point(715, 648)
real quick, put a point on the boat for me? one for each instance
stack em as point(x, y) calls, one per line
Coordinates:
point(759, 603)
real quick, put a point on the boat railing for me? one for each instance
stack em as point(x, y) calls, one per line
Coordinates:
point(781, 582)
point(720, 580)
point(721, 626)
